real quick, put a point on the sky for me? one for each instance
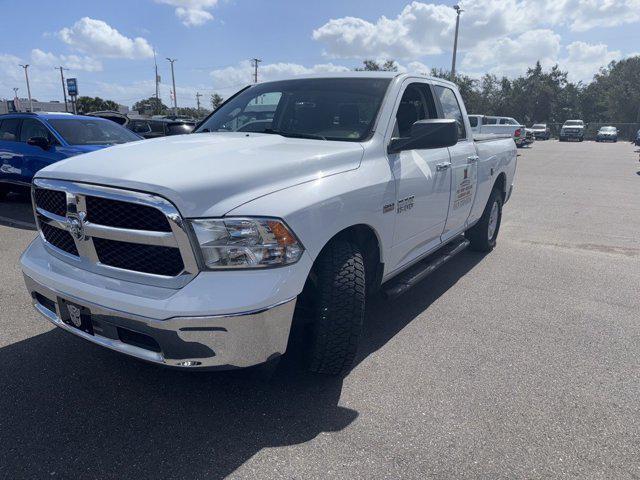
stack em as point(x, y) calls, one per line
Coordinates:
point(109, 45)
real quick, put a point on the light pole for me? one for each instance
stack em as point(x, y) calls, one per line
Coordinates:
point(198, 95)
point(173, 79)
point(455, 42)
point(64, 91)
point(26, 75)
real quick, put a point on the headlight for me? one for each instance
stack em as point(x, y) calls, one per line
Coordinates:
point(246, 243)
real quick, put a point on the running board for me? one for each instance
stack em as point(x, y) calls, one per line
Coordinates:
point(413, 275)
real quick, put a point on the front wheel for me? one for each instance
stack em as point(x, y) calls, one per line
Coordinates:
point(338, 308)
point(483, 234)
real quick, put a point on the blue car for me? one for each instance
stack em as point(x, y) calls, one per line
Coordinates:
point(31, 141)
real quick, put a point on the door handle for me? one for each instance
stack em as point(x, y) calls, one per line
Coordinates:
point(473, 158)
point(442, 166)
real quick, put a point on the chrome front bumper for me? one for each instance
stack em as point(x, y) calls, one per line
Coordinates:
point(222, 341)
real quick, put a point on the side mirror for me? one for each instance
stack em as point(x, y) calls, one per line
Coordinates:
point(41, 142)
point(425, 134)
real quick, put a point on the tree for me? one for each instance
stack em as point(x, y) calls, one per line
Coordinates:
point(373, 66)
point(216, 100)
point(94, 104)
point(151, 105)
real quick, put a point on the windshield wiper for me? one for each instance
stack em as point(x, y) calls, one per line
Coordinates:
point(294, 134)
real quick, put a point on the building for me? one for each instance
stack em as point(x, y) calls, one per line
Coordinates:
point(22, 105)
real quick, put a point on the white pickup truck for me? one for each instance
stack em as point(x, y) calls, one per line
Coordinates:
point(204, 250)
point(483, 124)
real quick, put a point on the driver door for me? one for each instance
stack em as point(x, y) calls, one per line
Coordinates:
point(422, 178)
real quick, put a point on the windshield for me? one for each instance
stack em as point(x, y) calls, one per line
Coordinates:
point(320, 108)
point(608, 129)
point(574, 123)
point(91, 131)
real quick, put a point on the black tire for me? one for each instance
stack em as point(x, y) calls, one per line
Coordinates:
point(338, 310)
point(4, 190)
point(478, 235)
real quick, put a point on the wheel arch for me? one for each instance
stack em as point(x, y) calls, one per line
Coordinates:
point(369, 243)
point(501, 185)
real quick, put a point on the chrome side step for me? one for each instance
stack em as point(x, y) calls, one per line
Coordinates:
point(415, 274)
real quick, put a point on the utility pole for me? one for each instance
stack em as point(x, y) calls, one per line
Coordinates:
point(455, 42)
point(255, 61)
point(16, 100)
point(64, 90)
point(157, 80)
point(198, 95)
point(173, 79)
point(26, 75)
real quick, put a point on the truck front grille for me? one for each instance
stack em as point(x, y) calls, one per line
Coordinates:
point(59, 238)
point(114, 213)
point(129, 235)
point(141, 258)
point(53, 201)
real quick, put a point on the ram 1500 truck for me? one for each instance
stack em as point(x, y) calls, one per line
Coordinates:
point(287, 206)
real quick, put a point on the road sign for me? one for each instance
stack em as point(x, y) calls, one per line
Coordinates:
point(72, 87)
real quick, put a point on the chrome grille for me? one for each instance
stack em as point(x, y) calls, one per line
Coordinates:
point(53, 201)
point(123, 234)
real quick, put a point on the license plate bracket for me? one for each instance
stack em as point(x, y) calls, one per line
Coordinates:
point(76, 316)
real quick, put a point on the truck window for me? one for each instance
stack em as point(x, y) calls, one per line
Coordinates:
point(451, 109)
point(473, 121)
point(320, 108)
point(416, 104)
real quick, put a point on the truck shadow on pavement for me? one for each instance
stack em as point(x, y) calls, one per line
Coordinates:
point(73, 410)
point(16, 211)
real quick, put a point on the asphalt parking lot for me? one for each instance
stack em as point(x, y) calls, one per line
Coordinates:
point(523, 363)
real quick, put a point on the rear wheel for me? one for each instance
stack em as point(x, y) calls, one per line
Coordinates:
point(338, 308)
point(483, 234)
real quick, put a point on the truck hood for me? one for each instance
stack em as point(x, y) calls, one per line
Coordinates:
point(209, 174)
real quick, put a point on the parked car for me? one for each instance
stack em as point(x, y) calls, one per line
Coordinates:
point(31, 141)
point(572, 130)
point(499, 125)
point(637, 142)
point(541, 131)
point(607, 134)
point(207, 250)
point(160, 127)
point(150, 127)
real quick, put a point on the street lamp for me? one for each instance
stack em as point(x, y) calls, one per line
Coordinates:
point(455, 41)
point(26, 75)
point(173, 79)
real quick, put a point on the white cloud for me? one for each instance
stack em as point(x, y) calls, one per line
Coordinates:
point(98, 38)
point(192, 13)
point(420, 29)
point(73, 62)
point(242, 74)
point(583, 60)
point(427, 28)
point(511, 56)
